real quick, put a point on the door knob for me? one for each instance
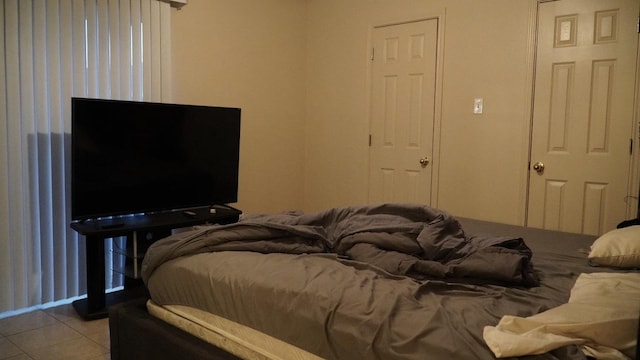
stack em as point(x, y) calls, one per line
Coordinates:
point(424, 161)
point(538, 167)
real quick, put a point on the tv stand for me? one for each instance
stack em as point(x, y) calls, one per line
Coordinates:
point(96, 231)
point(112, 226)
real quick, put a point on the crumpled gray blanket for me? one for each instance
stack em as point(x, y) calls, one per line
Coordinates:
point(403, 239)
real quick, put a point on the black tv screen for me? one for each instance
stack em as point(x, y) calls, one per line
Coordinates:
point(133, 157)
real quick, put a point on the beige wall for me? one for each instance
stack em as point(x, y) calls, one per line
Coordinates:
point(300, 71)
point(485, 53)
point(249, 54)
point(483, 164)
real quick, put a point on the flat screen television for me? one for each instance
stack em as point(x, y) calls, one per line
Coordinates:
point(131, 157)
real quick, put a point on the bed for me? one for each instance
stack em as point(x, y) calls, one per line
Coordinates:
point(389, 281)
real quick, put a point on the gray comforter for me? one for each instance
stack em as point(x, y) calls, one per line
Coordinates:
point(376, 282)
point(402, 239)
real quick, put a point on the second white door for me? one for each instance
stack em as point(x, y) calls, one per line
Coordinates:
point(402, 112)
point(583, 114)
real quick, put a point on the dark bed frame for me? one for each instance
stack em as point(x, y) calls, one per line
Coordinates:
point(137, 335)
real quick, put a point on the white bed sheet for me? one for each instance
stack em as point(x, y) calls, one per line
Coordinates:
point(601, 317)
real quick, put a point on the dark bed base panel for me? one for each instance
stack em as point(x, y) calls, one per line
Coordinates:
point(137, 335)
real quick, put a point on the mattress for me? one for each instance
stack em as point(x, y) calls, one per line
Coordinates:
point(239, 340)
point(337, 308)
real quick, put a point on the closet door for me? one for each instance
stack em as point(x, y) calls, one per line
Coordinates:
point(583, 114)
point(402, 112)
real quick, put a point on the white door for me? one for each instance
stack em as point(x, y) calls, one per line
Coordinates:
point(402, 112)
point(583, 114)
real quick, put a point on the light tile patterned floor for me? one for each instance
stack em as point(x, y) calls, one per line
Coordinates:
point(53, 334)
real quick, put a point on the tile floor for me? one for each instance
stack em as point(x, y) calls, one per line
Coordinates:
point(53, 334)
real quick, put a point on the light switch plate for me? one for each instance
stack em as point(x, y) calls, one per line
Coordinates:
point(478, 106)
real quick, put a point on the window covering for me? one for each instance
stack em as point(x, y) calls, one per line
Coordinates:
point(53, 50)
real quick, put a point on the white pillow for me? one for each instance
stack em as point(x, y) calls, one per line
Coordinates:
point(617, 248)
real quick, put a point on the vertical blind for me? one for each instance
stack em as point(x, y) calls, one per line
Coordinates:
point(53, 50)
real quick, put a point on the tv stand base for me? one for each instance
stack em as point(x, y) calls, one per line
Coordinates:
point(96, 231)
point(86, 311)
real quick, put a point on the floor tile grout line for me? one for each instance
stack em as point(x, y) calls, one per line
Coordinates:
point(26, 351)
point(64, 317)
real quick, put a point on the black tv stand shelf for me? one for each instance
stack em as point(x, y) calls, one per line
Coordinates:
point(94, 306)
